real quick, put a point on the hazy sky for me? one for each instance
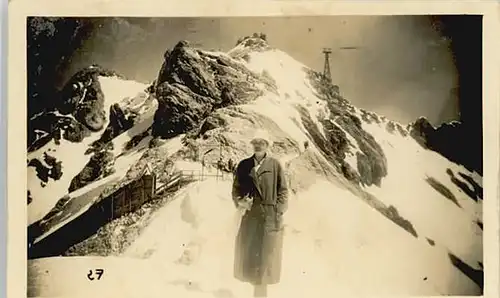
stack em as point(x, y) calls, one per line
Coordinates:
point(402, 69)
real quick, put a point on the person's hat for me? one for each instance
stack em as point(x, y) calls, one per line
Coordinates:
point(261, 134)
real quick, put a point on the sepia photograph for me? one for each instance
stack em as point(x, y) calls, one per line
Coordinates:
point(272, 156)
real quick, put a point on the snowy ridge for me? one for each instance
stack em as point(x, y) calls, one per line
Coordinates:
point(293, 86)
point(364, 194)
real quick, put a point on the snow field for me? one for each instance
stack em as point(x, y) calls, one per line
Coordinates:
point(346, 248)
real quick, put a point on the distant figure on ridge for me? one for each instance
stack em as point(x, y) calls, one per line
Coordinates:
point(230, 165)
point(220, 164)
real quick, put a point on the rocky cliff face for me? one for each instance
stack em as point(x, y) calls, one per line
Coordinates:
point(99, 166)
point(82, 97)
point(450, 140)
point(49, 168)
point(193, 83)
point(77, 110)
point(120, 120)
point(54, 126)
point(371, 162)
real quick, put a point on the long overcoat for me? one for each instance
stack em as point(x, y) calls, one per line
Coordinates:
point(258, 249)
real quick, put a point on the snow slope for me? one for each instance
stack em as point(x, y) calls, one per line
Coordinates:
point(342, 237)
point(188, 247)
point(406, 187)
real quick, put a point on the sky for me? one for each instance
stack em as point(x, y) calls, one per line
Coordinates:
point(401, 68)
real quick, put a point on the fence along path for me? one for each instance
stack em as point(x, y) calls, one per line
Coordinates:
point(184, 175)
point(180, 176)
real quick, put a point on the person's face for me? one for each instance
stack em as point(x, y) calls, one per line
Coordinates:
point(259, 146)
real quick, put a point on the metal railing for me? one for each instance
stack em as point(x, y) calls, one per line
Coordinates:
point(177, 178)
point(203, 175)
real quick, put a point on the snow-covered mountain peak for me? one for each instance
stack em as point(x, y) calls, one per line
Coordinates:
point(255, 43)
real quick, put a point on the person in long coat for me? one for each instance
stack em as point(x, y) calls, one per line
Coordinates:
point(260, 187)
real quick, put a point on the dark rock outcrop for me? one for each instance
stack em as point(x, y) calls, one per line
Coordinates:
point(83, 98)
point(80, 102)
point(82, 87)
point(213, 121)
point(52, 126)
point(371, 160)
point(135, 140)
point(53, 169)
point(421, 130)
point(75, 132)
point(401, 130)
point(256, 42)
point(370, 117)
point(443, 190)
point(390, 127)
point(452, 140)
point(99, 166)
point(193, 83)
point(119, 122)
point(42, 172)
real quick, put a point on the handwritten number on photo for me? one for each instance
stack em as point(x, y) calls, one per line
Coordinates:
point(91, 275)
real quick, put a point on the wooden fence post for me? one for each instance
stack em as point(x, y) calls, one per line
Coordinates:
point(142, 197)
point(181, 175)
point(149, 187)
point(154, 183)
point(112, 206)
point(129, 197)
